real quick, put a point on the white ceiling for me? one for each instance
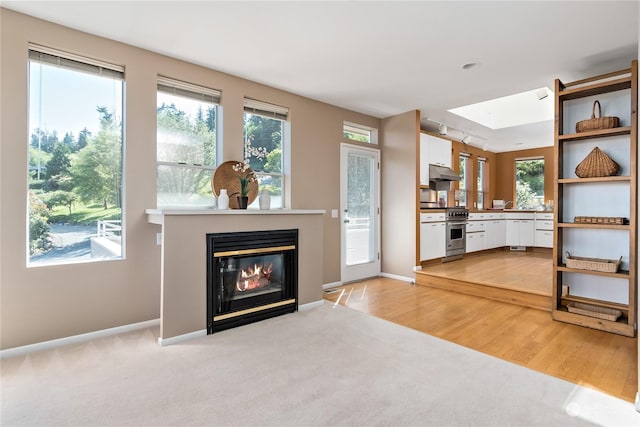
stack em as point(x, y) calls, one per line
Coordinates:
point(379, 58)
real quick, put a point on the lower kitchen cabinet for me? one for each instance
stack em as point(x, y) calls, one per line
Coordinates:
point(520, 231)
point(476, 241)
point(495, 234)
point(432, 240)
point(544, 230)
point(544, 238)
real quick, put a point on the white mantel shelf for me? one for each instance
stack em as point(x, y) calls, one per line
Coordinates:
point(155, 216)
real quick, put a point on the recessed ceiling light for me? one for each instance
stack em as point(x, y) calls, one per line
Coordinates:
point(469, 65)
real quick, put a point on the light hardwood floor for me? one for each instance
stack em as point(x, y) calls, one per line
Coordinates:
point(525, 336)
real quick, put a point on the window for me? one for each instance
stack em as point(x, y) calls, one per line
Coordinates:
point(264, 146)
point(75, 159)
point(186, 143)
point(463, 185)
point(482, 163)
point(530, 183)
point(359, 133)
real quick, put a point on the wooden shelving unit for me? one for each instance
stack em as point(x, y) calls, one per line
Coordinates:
point(615, 86)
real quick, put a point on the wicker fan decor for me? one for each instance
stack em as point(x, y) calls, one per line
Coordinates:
point(597, 164)
point(595, 123)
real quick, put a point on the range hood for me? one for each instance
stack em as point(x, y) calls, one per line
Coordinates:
point(442, 173)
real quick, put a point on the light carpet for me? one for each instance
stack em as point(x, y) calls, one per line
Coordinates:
point(328, 366)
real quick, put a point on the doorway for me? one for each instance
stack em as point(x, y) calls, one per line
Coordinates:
point(360, 212)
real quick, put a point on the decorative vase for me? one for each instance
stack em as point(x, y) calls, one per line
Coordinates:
point(265, 199)
point(243, 201)
point(223, 199)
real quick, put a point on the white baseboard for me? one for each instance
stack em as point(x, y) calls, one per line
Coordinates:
point(331, 285)
point(310, 305)
point(201, 333)
point(396, 277)
point(74, 339)
point(180, 338)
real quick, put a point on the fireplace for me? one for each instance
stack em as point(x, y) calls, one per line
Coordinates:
point(251, 276)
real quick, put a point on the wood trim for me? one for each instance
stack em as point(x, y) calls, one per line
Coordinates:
point(511, 296)
point(594, 323)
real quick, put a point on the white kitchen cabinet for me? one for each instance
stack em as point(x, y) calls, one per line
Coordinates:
point(432, 240)
point(544, 230)
point(440, 152)
point(475, 241)
point(437, 151)
point(520, 229)
point(476, 232)
point(424, 159)
point(544, 238)
point(495, 236)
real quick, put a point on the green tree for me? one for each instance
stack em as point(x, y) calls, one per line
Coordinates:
point(531, 172)
point(61, 198)
point(83, 138)
point(264, 134)
point(525, 197)
point(187, 141)
point(97, 169)
point(38, 225)
point(60, 162)
point(274, 161)
point(44, 140)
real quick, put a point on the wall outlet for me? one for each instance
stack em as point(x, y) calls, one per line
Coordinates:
point(158, 239)
point(334, 213)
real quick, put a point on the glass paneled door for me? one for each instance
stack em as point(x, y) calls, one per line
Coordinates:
point(360, 212)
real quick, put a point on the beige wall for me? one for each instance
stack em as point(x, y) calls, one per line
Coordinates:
point(401, 135)
point(44, 303)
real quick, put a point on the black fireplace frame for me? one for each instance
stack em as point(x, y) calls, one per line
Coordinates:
point(262, 306)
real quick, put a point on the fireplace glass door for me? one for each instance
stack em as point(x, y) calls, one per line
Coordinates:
point(250, 276)
point(244, 278)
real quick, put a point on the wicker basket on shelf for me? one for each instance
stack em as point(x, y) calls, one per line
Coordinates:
point(597, 164)
point(594, 311)
point(596, 123)
point(593, 264)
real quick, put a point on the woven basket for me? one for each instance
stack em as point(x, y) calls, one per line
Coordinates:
point(597, 164)
point(593, 264)
point(595, 123)
point(594, 311)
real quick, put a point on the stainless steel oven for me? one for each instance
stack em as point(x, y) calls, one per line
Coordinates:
point(456, 228)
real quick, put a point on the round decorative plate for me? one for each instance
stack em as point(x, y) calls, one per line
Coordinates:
point(226, 177)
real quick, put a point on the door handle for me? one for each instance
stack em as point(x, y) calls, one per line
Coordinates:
point(346, 221)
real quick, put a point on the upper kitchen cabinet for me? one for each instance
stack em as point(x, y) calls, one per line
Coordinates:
point(594, 250)
point(435, 151)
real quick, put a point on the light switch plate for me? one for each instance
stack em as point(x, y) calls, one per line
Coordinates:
point(334, 213)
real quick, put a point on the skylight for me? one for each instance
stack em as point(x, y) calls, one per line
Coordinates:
point(514, 110)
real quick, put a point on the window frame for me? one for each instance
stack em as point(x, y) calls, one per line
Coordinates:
point(194, 92)
point(111, 229)
point(370, 134)
point(515, 181)
point(272, 112)
point(464, 183)
point(481, 182)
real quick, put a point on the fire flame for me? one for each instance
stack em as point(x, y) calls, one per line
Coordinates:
point(254, 278)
